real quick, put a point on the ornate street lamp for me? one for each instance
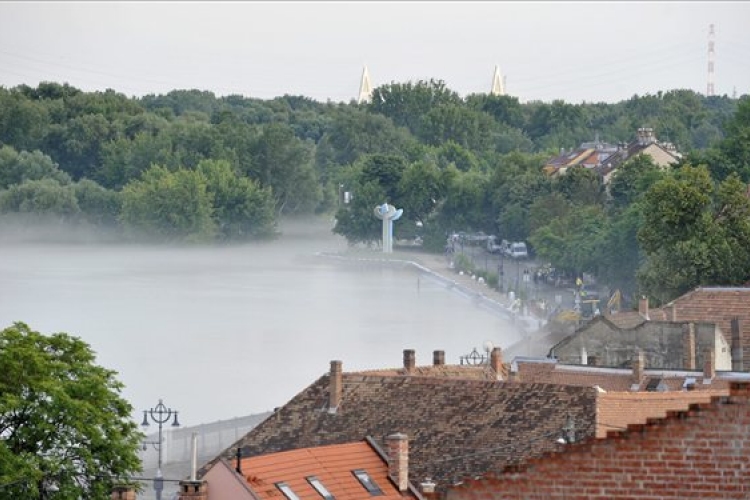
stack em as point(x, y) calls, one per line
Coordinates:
point(160, 415)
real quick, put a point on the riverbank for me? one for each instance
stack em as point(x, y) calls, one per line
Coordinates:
point(442, 268)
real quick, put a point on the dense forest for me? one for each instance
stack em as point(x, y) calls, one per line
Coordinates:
point(192, 167)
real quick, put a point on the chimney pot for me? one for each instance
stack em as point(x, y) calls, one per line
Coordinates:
point(643, 307)
point(428, 486)
point(496, 362)
point(438, 358)
point(410, 360)
point(335, 387)
point(193, 490)
point(123, 493)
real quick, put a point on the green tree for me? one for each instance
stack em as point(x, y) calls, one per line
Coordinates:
point(284, 163)
point(467, 127)
point(407, 103)
point(386, 171)
point(62, 419)
point(694, 233)
point(632, 179)
point(99, 206)
point(43, 197)
point(356, 221)
point(421, 188)
point(169, 205)
point(16, 168)
point(241, 208)
point(573, 242)
point(580, 186)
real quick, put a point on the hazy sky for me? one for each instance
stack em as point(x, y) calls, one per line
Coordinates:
point(576, 51)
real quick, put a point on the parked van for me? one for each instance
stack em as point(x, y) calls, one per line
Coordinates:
point(518, 250)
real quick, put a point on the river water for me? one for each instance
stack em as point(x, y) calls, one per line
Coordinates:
point(221, 332)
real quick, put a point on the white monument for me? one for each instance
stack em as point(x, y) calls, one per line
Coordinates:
point(388, 213)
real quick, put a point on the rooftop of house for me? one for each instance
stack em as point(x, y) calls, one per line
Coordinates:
point(617, 410)
point(303, 471)
point(457, 426)
point(712, 304)
point(644, 140)
point(547, 370)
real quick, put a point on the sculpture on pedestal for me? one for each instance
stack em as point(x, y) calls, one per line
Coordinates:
point(388, 213)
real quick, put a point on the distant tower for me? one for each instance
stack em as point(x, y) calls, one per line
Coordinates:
point(711, 57)
point(498, 83)
point(365, 87)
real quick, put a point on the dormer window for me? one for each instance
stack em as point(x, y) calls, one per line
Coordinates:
point(367, 482)
point(287, 491)
point(315, 483)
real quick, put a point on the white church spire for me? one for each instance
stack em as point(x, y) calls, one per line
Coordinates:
point(498, 83)
point(365, 87)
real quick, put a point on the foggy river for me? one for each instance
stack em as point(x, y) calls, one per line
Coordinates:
point(226, 331)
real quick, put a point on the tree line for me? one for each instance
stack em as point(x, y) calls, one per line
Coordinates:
point(192, 167)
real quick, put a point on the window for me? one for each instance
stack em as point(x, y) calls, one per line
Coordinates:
point(315, 482)
point(367, 482)
point(287, 491)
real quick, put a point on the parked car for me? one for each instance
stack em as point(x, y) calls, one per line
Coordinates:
point(493, 246)
point(518, 250)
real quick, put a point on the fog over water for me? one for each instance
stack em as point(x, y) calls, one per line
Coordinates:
point(226, 331)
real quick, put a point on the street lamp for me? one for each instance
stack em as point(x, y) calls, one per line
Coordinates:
point(160, 414)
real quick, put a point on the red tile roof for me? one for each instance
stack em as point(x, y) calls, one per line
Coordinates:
point(617, 410)
point(457, 427)
point(332, 465)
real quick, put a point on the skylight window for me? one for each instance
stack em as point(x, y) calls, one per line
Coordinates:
point(367, 482)
point(287, 491)
point(315, 482)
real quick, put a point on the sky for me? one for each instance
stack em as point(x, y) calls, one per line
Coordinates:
point(574, 51)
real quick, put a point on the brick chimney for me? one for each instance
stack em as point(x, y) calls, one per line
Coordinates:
point(398, 460)
point(709, 364)
point(123, 492)
point(193, 490)
point(643, 307)
point(496, 362)
point(335, 387)
point(737, 347)
point(410, 360)
point(688, 346)
point(638, 364)
point(438, 358)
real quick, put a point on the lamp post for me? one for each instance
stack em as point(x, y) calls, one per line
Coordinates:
point(160, 415)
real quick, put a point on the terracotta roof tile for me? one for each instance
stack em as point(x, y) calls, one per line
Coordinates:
point(457, 427)
point(332, 465)
point(617, 410)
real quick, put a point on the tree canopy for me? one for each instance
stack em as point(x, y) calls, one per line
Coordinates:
point(63, 422)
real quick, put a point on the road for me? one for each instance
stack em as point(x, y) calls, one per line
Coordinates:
point(518, 275)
